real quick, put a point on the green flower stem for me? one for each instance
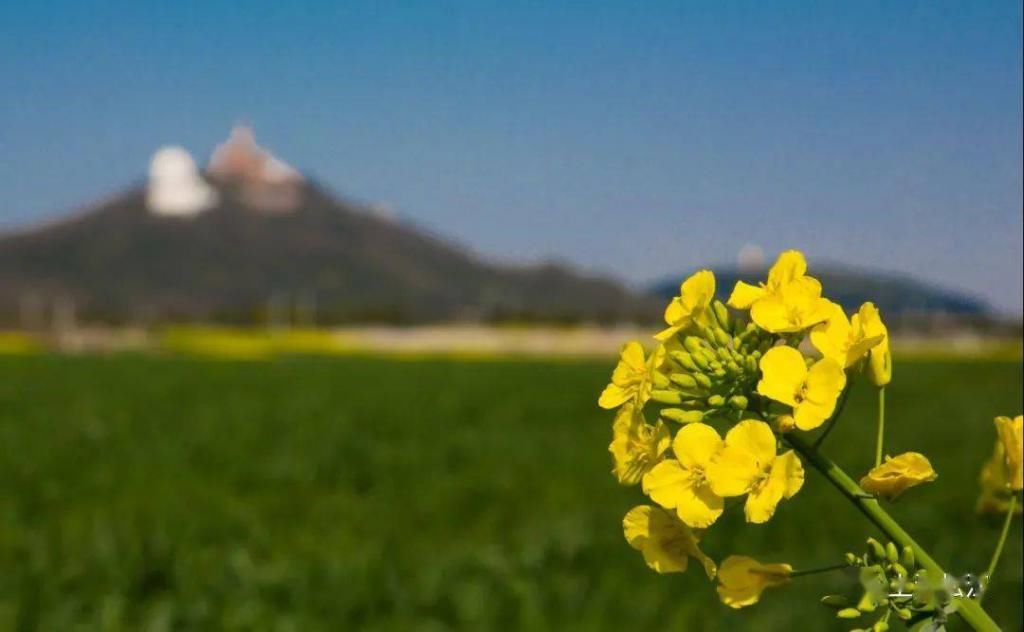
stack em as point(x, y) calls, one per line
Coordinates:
point(1002, 540)
point(815, 571)
point(881, 426)
point(969, 610)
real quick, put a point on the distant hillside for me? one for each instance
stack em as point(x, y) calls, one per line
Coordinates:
point(893, 294)
point(251, 237)
point(121, 263)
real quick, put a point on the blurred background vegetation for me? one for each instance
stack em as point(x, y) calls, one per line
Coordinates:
point(301, 493)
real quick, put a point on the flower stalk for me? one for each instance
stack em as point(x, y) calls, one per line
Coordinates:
point(1002, 540)
point(816, 571)
point(880, 440)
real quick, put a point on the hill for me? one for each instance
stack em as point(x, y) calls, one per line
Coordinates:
point(250, 237)
point(893, 294)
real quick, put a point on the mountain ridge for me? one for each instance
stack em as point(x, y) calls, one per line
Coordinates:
point(118, 262)
point(850, 286)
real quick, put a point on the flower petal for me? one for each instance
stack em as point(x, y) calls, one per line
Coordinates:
point(698, 291)
point(825, 381)
point(754, 436)
point(699, 507)
point(744, 295)
point(666, 543)
point(743, 579)
point(733, 471)
point(898, 474)
point(612, 396)
point(771, 314)
point(633, 356)
point(783, 372)
point(761, 502)
point(789, 468)
point(785, 479)
point(809, 415)
point(695, 444)
point(831, 337)
point(668, 483)
point(789, 266)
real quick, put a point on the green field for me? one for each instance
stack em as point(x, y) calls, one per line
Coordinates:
point(354, 493)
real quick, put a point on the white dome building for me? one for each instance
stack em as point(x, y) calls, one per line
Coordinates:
point(175, 187)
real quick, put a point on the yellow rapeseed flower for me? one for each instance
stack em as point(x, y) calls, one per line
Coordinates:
point(666, 543)
point(1011, 436)
point(879, 368)
point(742, 579)
point(633, 377)
point(789, 301)
point(747, 464)
point(995, 487)
point(898, 474)
point(681, 484)
point(846, 340)
point(812, 393)
point(636, 445)
point(695, 296)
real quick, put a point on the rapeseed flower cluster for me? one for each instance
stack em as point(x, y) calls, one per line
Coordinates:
point(702, 413)
point(716, 410)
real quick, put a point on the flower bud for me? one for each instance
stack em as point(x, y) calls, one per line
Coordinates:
point(875, 550)
point(848, 613)
point(785, 423)
point(702, 380)
point(710, 357)
point(721, 315)
point(738, 402)
point(716, 401)
point(892, 553)
point(682, 416)
point(751, 364)
point(685, 380)
point(664, 396)
point(694, 344)
point(879, 366)
point(659, 379)
point(908, 557)
point(701, 361)
point(707, 333)
point(722, 338)
point(685, 360)
point(835, 601)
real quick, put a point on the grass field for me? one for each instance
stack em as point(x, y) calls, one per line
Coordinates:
point(356, 493)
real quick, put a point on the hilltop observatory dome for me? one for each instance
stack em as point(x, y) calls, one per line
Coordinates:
point(175, 187)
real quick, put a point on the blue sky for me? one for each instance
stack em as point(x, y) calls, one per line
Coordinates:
point(636, 141)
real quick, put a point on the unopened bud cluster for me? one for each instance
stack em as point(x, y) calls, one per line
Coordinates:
point(711, 372)
point(893, 586)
